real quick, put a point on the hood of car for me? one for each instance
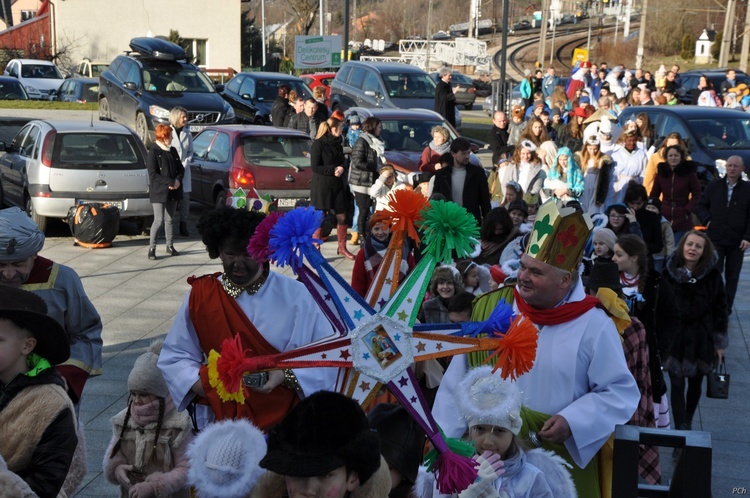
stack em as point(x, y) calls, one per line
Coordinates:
point(43, 83)
point(211, 102)
point(403, 160)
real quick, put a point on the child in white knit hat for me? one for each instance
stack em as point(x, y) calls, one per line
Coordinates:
point(147, 456)
point(492, 409)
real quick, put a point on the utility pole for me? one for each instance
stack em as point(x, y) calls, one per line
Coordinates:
point(626, 27)
point(642, 35)
point(504, 56)
point(320, 16)
point(543, 32)
point(345, 56)
point(428, 37)
point(726, 36)
point(745, 41)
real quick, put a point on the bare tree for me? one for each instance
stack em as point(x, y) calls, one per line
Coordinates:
point(305, 12)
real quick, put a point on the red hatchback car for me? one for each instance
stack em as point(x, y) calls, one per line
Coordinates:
point(270, 160)
point(320, 79)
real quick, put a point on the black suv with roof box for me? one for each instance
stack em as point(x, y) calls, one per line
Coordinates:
point(139, 89)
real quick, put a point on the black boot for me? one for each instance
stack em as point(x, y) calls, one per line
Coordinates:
point(183, 230)
point(152, 253)
point(171, 250)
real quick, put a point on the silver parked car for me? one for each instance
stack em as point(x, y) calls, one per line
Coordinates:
point(53, 165)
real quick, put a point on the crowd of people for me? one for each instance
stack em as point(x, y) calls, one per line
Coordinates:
point(634, 292)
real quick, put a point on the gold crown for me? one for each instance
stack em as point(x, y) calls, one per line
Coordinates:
point(559, 236)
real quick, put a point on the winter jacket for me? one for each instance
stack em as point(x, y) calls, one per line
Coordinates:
point(38, 431)
point(702, 325)
point(476, 194)
point(327, 191)
point(271, 485)
point(365, 164)
point(434, 311)
point(165, 473)
point(305, 124)
point(280, 111)
point(164, 167)
point(680, 190)
point(535, 179)
point(498, 138)
point(728, 222)
point(445, 101)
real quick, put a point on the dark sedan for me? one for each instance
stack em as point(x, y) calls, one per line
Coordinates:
point(79, 90)
point(261, 159)
point(691, 79)
point(12, 89)
point(712, 134)
point(251, 95)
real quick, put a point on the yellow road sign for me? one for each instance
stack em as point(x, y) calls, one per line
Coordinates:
point(580, 55)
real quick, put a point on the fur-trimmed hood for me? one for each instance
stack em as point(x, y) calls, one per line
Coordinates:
point(680, 275)
point(272, 485)
point(683, 169)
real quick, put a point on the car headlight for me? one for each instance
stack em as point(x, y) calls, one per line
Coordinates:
point(158, 112)
point(230, 113)
point(31, 89)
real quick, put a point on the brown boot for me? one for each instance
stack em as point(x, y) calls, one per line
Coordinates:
point(355, 239)
point(316, 235)
point(341, 235)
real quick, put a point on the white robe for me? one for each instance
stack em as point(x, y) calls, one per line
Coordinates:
point(579, 373)
point(284, 313)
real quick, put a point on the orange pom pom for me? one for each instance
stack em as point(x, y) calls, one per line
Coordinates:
point(404, 209)
point(517, 350)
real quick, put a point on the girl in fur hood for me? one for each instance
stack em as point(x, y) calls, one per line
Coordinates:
point(147, 455)
point(492, 408)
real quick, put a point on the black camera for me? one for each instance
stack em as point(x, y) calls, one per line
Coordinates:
point(258, 379)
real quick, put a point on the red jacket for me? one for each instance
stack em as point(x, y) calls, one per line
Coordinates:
point(679, 190)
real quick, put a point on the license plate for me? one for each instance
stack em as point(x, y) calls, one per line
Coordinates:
point(117, 204)
point(286, 202)
point(195, 129)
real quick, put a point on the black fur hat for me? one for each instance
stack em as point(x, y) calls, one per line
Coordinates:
point(401, 439)
point(322, 433)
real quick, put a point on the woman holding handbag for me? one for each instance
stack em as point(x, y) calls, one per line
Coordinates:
point(651, 300)
point(702, 332)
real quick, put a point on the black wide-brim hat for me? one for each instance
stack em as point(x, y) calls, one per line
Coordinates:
point(605, 275)
point(323, 432)
point(30, 312)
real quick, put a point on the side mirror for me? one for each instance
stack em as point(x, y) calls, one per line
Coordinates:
point(129, 85)
point(3, 147)
point(219, 88)
point(247, 96)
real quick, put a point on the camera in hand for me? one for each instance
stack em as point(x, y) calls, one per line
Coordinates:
point(258, 379)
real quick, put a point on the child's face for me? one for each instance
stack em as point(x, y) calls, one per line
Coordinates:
point(140, 398)
point(459, 316)
point(446, 289)
point(471, 278)
point(517, 217)
point(15, 344)
point(380, 232)
point(600, 248)
point(335, 484)
point(653, 209)
point(491, 438)
point(354, 126)
point(532, 209)
point(510, 194)
point(562, 161)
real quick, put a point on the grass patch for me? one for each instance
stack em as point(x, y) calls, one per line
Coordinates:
point(477, 131)
point(46, 104)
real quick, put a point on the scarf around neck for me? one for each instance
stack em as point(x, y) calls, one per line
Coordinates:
point(440, 149)
point(376, 143)
point(557, 315)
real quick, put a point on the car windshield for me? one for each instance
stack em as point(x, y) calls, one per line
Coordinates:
point(409, 86)
point(268, 90)
point(97, 69)
point(460, 78)
point(90, 92)
point(408, 135)
point(76, 149)
point(40, 71)
point(722, 133)
point(176, 79)
point(277, 151)
point(12, 90)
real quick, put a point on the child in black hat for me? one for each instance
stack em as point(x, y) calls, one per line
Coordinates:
point(37, 421)
point(324, 447)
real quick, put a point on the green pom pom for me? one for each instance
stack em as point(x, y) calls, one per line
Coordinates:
point(458, 446)
point(448, 227)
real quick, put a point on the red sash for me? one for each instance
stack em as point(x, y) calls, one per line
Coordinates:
point(557, 315)
point(216, 316)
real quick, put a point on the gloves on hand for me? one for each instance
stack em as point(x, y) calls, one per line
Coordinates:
point(489, 467)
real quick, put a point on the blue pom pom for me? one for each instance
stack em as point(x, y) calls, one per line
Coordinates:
point(292, 236)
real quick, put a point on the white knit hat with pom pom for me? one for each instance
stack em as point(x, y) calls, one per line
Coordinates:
point(485, 398)
point(224, 459)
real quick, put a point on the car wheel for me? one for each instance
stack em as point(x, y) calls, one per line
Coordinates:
point(221, 199)
point(104, 109)
point(41, 221)
point(141, 129)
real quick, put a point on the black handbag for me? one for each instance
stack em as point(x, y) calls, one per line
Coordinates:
point(718, 382)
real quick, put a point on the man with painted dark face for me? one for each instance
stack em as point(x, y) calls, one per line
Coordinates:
point(269, 312)
point(62, 291)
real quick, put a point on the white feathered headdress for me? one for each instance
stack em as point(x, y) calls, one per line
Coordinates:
point(486, 399)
